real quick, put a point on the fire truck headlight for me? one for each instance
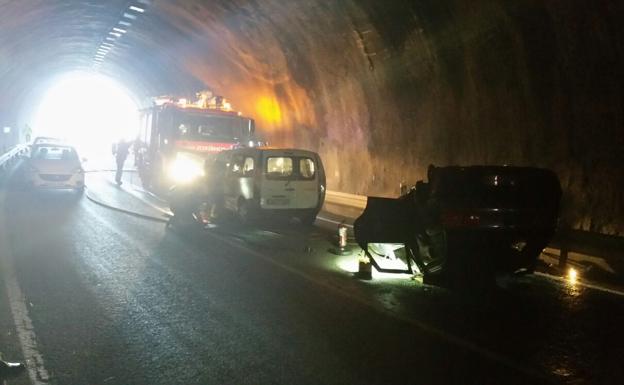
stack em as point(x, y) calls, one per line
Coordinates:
point(184, 170)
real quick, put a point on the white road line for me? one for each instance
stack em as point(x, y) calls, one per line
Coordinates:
point(322, 219)
point(17, 302)
point(581, 283)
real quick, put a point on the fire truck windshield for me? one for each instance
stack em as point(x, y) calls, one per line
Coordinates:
point(197, 127)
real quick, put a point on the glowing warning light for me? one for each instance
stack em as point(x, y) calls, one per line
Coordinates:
point(205, 100)
point(572, 275)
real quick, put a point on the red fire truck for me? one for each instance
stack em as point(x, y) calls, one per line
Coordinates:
point(177, 137)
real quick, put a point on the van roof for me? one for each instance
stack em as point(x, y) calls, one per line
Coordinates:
point(272, 149)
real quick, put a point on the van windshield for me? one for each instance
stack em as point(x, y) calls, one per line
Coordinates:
point(290, 168)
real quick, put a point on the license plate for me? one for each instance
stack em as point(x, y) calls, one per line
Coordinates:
point(278, 201)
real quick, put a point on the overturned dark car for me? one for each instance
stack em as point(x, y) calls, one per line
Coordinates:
point(467, 222)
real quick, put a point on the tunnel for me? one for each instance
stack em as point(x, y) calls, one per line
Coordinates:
point(380, 89)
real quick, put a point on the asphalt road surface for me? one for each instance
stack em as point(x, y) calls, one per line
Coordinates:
point(116, 299)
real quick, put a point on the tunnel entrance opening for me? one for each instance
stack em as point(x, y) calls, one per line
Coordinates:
point(89, 111)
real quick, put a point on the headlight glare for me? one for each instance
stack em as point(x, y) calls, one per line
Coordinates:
point(184, 170)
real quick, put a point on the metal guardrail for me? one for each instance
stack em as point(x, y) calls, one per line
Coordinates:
point(8, 158)
point(345, 199)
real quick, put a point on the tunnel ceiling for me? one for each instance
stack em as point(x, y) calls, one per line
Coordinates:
point(41, 39)
point(379, 89)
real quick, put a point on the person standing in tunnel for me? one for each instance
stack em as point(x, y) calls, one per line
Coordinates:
point(121, 150)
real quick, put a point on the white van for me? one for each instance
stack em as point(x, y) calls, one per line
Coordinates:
point(262, 181)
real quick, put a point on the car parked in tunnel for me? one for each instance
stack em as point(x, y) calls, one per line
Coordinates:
point(54, 166)
point(469, 221)
point(261, 181)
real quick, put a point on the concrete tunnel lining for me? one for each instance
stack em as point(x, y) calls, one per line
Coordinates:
point(380, 90)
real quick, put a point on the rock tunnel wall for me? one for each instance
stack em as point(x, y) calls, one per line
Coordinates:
point(383, 89)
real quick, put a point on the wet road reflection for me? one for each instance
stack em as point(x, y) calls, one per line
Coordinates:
point(116, 296)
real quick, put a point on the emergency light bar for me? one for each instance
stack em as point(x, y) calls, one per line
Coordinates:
point(205, 100)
